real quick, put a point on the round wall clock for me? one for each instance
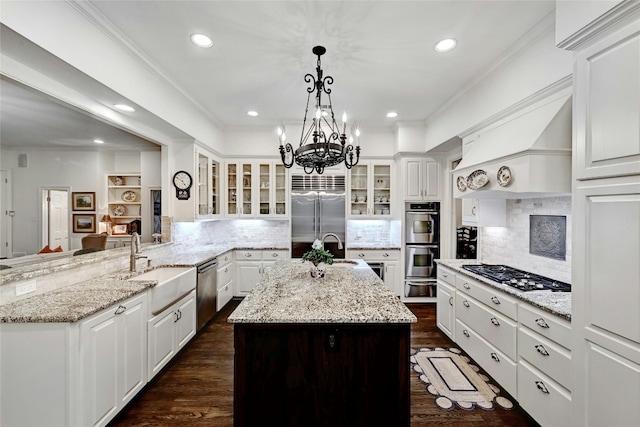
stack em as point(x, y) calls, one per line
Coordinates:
point(182, 181)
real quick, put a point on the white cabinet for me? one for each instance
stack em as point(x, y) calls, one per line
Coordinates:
point(606, 208)
point(113, 359)
point(252, 264)
point(226, 274)
point(207, 185)
point(445, 301)
point(75, 374)
point(421, 179)
point(273, 190)
point(240, 193)
point(390, 258)
point(371, 190)
point(257, 189)
point(484, 212)
point(171, 330)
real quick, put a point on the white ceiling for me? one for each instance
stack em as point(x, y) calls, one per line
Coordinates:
point(380, 53)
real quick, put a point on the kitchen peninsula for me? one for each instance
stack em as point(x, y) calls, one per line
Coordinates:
point(331, 351)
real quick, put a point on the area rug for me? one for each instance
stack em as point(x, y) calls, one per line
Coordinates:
point(454, 381)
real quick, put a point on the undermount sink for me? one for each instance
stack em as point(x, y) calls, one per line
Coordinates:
point(173, 284)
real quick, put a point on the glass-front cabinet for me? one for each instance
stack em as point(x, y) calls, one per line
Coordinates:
point(272, 187)
point(370, 190)
point(207, 185)
point(240, 189)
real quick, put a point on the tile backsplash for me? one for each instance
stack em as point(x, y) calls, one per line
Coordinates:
point(273, 233)
point(510, 245)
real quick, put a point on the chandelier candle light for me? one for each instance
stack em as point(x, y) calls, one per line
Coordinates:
point(329, 146)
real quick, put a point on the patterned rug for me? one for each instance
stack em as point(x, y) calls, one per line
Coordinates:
point(454, 381)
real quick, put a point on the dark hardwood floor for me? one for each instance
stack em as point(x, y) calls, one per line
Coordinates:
point(196, 388)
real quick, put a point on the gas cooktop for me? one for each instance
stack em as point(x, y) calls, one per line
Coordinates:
point(518, 279)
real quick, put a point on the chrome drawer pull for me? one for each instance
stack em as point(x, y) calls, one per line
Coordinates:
point(121, 309)
point(495, 357)
point(465, 303)
point(495, 321)
point(466, 286)
point(445, 275)
point(248, 255)
point(540, 349)
point(361, 255)
point(542, 323)
point(465, 333)
point(386, 255)
point(177, 318)
point(542, 387)
point(495, 300)
point(274, 254)
point(451, 301)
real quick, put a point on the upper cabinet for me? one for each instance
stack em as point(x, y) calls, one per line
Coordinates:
point(207, 185)
point(124, 197)
point(256, 189)
point(370, 190)
point(240, 189)
point(421, 179)
point(272, 189)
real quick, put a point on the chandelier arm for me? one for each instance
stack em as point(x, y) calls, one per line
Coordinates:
point(326, 82)
point(308, 79)
point(287, 148)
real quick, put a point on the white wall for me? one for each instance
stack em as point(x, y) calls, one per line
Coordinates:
point(530, 71)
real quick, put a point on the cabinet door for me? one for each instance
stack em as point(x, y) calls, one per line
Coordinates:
point(248, 206)
point(359, 190)
point(132, 342)
point(265, 185)
point(390, 277)
point(233, 194)
point(202, 189)
point(280, 191)
point(381, 184)
point(470, 212)
point(248, 275)
point(445, 313)
point(162, 338)
point(431, 180)
point(186, 324)
point(413, 179)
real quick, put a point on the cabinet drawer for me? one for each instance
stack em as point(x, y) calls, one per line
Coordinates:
point(225, 274)
point(494, 362)
point(545, 355)
point(446, 275)
point(225, 293)
point(495, 299)
point(375, 254)
point(225, 258)
point(546, 401)
point(249, 255)
point(499, 330)
point(275, 255)
point(546, 324)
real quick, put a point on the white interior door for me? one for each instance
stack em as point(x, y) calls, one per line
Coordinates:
point(59, 219)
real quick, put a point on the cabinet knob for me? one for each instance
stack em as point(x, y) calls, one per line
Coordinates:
point(540, 349)
point(495, 300)
point(247, 255)
point(495, 357)
point(542, 387)
point(466, 286)
point(465, 333)
point(361, 255)
point(466, 303)
point(542, 323)
point(445, 275)
point(385, 254)
point(495, 321)
point(121, 309)
point(275, 254)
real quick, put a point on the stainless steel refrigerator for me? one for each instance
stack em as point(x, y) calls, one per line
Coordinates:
point(317, 208)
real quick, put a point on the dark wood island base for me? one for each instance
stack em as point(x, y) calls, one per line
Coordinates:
point(321, 375)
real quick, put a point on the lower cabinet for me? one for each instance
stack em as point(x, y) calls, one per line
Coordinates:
point(226, 273)
point(252, 264)
point(73, 374)
point(389, 258)
point(445, 312)
point(171, 330)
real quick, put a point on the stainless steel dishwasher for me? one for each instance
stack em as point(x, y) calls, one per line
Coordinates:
point(206, 291)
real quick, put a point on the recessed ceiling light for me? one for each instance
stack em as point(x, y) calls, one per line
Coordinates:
point(445, 45)
point(98, 141)
point(201, 40)
point(392, 114)
point(252, 113)
point(125, 108)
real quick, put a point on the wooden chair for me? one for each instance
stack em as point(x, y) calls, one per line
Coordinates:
point(98, 241)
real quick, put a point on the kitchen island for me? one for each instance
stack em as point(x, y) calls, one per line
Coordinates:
point(321, 352)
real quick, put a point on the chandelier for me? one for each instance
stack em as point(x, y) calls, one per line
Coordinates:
point(322, 144)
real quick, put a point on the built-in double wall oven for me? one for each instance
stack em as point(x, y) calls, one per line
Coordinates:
point(422, 248)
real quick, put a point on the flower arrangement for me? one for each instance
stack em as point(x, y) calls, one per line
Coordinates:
point(318, 255)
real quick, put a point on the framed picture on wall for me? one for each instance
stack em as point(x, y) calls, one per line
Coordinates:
point(84, 223)
point(119, 229)
point(85, 201)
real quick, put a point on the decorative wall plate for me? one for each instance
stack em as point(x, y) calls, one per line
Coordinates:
point(128, 196)
point(119, 210)
point(504, 176)
point(477, 179)
point(462, 185)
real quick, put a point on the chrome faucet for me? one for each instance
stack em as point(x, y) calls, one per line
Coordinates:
point(332, 235)
point(135, 250)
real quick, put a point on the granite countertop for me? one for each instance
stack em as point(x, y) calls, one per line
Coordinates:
point(347, 294)
point(558, 303)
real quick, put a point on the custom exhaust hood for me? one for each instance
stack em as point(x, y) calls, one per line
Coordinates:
point(524, 155)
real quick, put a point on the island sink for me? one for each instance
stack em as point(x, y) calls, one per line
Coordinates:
point(173, 284)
